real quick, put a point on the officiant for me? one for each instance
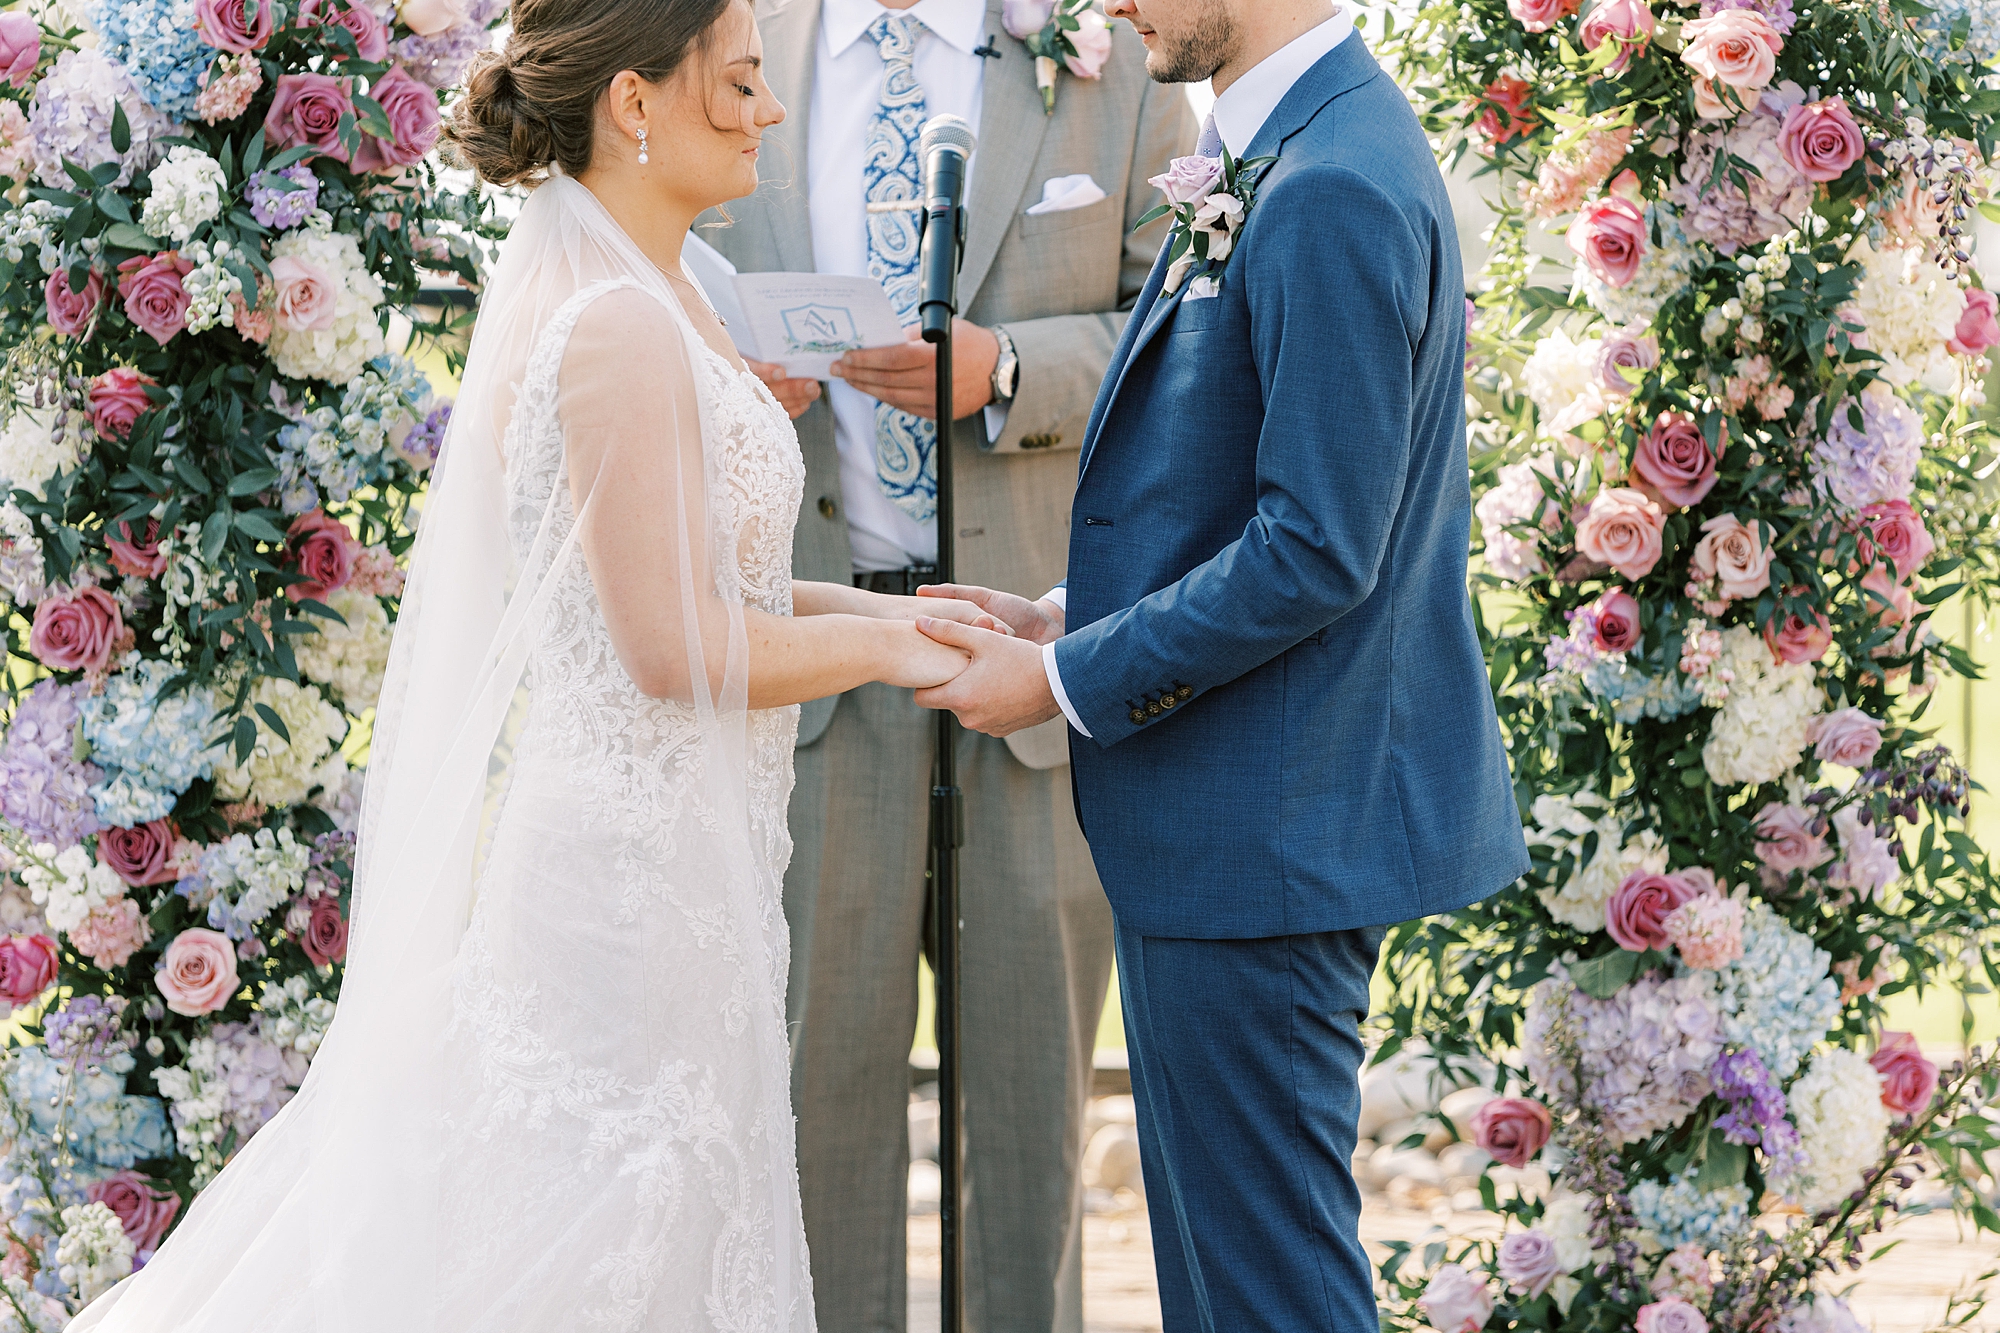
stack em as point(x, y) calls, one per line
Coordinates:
point(1051, 263)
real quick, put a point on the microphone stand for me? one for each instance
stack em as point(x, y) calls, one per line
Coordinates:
point(947, 813)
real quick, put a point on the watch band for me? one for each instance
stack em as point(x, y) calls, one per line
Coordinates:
point(1007, 369)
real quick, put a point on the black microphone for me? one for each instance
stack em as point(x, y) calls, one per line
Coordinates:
point(946, 144)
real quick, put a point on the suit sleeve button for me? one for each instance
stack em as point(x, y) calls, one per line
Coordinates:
point(827, 508)
point(1152, 710)
point(1184, 693)
point(1138, 715)
point(1168, 701)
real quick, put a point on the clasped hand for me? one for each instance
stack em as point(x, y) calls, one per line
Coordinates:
point(1004, 687)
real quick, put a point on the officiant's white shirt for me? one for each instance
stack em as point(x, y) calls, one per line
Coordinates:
point(847, 88)
point(1239, 113)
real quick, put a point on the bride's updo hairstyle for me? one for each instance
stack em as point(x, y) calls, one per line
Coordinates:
point(535, 102)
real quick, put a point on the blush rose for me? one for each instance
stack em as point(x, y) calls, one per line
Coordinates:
point(1895, 533)
point(1617, 622)
point(1908, 1079)
point(1456, 1301)
point(198, 972)
point(1821, 140)
point(325, 938)
point(306, 112)
point(1609, 235)
point(1626, 349)
point(1793, 639)
point(1786, 842)
point(1736, 47)
point(1847, 736)
point(1622, 530)
point(20, 47)
point(70, 312)
point(77, 632)
point(428, 18)
point(1541, 15)
point(1511, 1130)
point(142, 855)
point(28, 966)
point(1673, 463)
point(154, 297)
point(1639, 907)
point(220, 23)
point(304, 300)
point(1978, 328)
point(1672, 1315)
point(144, 1210)
point(324, 551)
point(1628, 21)
point(116, 399)
point(140, 558)
point(412, 111)
point(1733, 555)
point(371, 35)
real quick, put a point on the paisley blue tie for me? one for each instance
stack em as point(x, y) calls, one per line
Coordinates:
point(905, 445)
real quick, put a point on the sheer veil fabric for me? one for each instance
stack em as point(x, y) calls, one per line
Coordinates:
point(556, 1093)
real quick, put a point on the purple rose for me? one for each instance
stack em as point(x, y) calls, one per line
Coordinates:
point(1671, 1315)
point(1189, 180)
point(20, 47)
point(1528, 1262)
point(1024, 18)
point(412, 110)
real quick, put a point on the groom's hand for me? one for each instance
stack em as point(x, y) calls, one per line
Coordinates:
point(1037, 622)
point(1005, 689)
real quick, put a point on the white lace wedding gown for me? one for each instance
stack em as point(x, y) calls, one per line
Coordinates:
point(601, 999)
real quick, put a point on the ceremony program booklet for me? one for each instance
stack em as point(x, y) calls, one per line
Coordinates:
point(802, 321)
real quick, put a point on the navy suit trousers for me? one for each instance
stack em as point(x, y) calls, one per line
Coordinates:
point(1245, 1056)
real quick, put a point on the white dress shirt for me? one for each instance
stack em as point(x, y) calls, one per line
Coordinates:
point(847, 88)
point(1239, 113)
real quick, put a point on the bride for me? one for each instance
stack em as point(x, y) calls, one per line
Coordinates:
point(556, 1094)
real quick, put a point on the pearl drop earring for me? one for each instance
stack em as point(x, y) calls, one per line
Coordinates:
point(643, 159)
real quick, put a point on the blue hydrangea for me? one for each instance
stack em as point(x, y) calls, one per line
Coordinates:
point(1680, 1214)
point(1632, 694)
point(156, 41)
point(112, 1129)
point(1778, 999)
point(1982, 42)
point(244, 878)
point(333, 451)
point(149, 748)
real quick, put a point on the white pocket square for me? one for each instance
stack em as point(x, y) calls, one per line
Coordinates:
point(1062, 193)
point(1202, 288)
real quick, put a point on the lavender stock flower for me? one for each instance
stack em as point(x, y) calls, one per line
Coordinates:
point(281, 209)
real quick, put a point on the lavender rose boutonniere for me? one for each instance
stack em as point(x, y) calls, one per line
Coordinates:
point(1074, 33)
point(1209, 199)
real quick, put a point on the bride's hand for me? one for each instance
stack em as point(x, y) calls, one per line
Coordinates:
point(914, 661)
point(885, 607)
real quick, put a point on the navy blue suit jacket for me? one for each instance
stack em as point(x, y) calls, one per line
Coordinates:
point(1270, 530)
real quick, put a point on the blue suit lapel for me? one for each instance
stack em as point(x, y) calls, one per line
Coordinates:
point(1340, 70)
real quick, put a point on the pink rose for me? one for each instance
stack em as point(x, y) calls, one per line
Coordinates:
point(144, 1210)
point(325, 938)
point(1509, 111)
point(1978, 329)
point(20, 47)
point(141, 559)
point(1456, 1301)
point(1024, 18)
point(1821, 140)
point(198, 972)
point(1188, 180)
point(306, 111)
point(1541, 15)
point(1892, 601)
point(1617, 622)
point(1092, 40)
point(1629, 21)
point(1732, 555)
point(1737, 47)
point(1908, 1079)
point(1622, 530)
point(1673, 463)
point(28, 966)
point(371, 35)
point(1897, 535)
point(142, 855)
point(1511, 1130)
point(1786, 842)
point(1848, 737)
point(1638, 909)
point(77, 632)
point(1527, 1262)
point(428, 18)
point(1794, 639)
point(1609, 235)
point(1627, 349)
point(306, 299)
point(220, 24)
point(324, 551)
point(71, 312)
point(1672, 1315)
point(412, 110)
point(154, 297)
point(116, 399)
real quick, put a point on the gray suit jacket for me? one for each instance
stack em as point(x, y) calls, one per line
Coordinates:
point(1060, 282)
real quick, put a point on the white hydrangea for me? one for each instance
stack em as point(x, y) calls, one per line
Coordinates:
point(1564, 824)
point(1760, 730)
point(244, 878)
point(1664, 273)
point(1516, 497)
point(1780, 998)
point(352, 657)
point(75, 885)
point(209, 285)
point(1566, 1221)
point(32, 228)
point(22, 570)
point(94, 1254)
point(336, 354)
point(281, 772)
point(187, 191)
point(293, 1017)
point(1907, 307)
point(32, 450)
point(233, 1079)
point(1566, 381)
point(1837, 1106)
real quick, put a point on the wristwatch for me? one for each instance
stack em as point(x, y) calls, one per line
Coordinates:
point(1007, 369)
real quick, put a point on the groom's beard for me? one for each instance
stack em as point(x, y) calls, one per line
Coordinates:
point(1197, 54)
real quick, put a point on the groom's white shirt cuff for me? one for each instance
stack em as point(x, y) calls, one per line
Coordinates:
point(1060, 596)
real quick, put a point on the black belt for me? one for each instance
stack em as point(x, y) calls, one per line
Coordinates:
point(897, 582)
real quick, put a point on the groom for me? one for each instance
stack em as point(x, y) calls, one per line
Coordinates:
point(1282, 738)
